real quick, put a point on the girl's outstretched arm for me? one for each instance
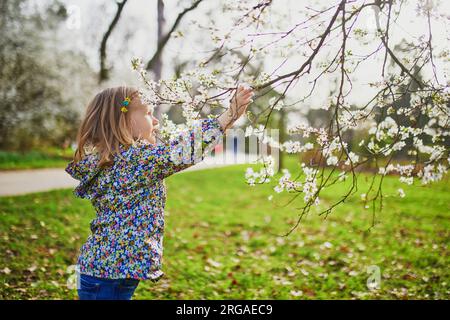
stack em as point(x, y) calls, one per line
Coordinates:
point(165, 159)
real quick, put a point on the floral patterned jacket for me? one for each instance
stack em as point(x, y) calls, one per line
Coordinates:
point(126, 239)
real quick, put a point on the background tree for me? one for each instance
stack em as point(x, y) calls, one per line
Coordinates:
point(155, 63)
point(104, 70)
point(38, 107)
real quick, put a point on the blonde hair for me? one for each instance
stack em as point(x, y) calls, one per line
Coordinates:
point(105, 126)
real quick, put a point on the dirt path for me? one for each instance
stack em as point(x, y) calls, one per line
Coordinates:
point(19, 182)
point(36, 180)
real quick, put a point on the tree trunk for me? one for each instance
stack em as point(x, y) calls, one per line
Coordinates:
point(157, 66)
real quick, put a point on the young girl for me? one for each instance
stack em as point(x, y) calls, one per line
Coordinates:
point(121, 169)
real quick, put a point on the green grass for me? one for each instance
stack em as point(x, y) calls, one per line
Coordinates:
point(219, 243)
point(49, 158)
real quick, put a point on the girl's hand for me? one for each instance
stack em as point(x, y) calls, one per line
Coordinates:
point(240, 101)
point(238, 105)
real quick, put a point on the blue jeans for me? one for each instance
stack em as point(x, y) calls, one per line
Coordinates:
point(93, 288)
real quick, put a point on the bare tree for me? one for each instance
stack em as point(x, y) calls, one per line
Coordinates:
point(163, 39)
point(155, 63)
point(104, 70)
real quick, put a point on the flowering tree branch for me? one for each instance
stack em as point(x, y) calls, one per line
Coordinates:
point(401, 120)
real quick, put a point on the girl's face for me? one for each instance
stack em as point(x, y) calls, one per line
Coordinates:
point(143, 123)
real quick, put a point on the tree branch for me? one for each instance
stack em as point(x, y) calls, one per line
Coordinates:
point(162, 43)
point(312, 56)
point(103, 75)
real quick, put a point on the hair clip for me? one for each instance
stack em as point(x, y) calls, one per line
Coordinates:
point(125, 104)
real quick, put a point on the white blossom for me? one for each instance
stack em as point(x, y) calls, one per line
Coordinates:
point(331, 161)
